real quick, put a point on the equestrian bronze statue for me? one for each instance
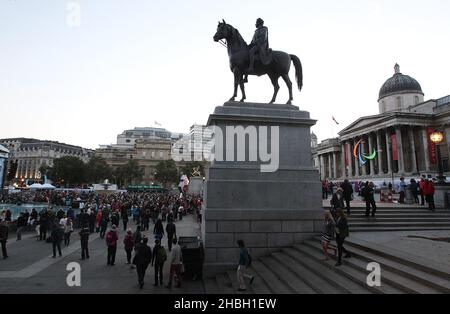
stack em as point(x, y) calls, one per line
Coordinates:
point(257, 59)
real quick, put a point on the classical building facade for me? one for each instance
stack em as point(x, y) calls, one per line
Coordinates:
point(147, 152)
point(394, 143)
point(31, 154)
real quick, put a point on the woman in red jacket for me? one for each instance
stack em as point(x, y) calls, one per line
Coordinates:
point(429, 194)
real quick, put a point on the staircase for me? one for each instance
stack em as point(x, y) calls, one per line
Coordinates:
point(301, 269)
point(399, 219)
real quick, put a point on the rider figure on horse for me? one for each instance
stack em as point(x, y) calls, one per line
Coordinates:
point(260, 46)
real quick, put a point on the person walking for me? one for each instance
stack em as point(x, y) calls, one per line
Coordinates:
point(43, 225)
point(158, 230)
point(337, 201)
point(68, 229)
point(128, 242)
point(369, 196)
point(422, 191)
point(4, 229)
point(104, 223)
point(327, 233)
point(137, 236)
point(111, 241)
point(84, 239)
point(402, 190)
point(429, 194)
point(159, 257)
point(124, 214)
point(57, 236)
point(414, 190)
point(142, 259)
point(176, 262)
point(341, 233)
point(171, 230)
point(244, 262)
point(21, 223)
point(347, 193)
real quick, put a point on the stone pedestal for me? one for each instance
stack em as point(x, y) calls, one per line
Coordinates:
point(270, 203)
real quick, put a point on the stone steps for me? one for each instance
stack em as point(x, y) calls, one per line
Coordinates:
point(391, 278)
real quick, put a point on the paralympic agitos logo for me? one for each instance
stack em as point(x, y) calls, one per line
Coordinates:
point(358, 154)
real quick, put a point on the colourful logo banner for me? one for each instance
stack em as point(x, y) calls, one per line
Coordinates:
point(360, 156)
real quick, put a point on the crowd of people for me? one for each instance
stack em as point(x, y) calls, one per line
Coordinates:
point(95, 213)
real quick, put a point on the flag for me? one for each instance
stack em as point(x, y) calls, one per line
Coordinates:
point(157, 123)
point(335, 120)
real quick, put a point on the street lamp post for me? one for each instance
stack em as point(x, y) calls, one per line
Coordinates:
point(437, 138)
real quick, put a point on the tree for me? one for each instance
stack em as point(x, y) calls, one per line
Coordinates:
point(68, 169)
point(44, 170)
point(188, 168)
point(166, 172)
point(125, 174)
point(98, 170)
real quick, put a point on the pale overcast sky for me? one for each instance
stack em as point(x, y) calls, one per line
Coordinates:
point(132, 62)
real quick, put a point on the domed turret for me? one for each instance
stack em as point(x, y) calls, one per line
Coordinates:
point(399, 92)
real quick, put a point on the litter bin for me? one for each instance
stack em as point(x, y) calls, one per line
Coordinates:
point(192, 250)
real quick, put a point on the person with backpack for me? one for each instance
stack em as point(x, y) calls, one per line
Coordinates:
point(171, 230)
point(111, 241)
point(158, 259)
point(245, 260)
point(142, 259)
point(128, 242)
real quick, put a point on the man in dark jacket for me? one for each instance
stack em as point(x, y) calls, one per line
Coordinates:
point(337, 201)
point(4, 237)
point(142, 259)
point(171, 230)
point(43, 225)
point(158, 259)
point(21, 223)
point(57, 236)
point(341, 234)
point(347, 193)
point(369, 196)
point(124, 216)
point(84, 239)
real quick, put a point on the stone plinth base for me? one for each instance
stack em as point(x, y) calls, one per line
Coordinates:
point(195, 185)
point(269, 210)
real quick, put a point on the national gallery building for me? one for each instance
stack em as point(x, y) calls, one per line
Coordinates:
point(396, 142)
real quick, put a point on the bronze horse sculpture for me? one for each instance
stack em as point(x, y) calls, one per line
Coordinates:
point(238, 53)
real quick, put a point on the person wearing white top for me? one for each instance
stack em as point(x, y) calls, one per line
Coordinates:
point(176, 263)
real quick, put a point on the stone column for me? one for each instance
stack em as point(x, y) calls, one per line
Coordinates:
point(371, 163)
point(343, 159)
point(322, 167)
point(412, 149)
point(364, 151)
point(425, 149)
point(335, 166)
point(401, 160)
point(357, 173)
point(350, 164)
point(388, 152)
point(330, 172)
point(379, 155)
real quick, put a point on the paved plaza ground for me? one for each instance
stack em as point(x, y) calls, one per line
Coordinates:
point(30, 267)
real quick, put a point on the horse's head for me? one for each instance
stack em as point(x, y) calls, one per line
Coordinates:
point(223, 31)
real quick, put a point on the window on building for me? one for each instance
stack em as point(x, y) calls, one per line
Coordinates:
point(399, 102)
point(161, 154)
point(153, 154)
point(128, 141)
point(416, 100)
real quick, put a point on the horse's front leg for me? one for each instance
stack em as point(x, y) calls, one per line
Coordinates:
point(236, 83)
point(241, 84)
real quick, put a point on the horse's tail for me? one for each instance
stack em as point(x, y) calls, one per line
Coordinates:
point(298, 71)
